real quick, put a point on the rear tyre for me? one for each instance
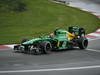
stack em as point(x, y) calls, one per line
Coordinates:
point(82, 43)
point(46, 47)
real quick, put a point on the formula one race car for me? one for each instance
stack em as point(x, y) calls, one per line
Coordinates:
point(60, 39)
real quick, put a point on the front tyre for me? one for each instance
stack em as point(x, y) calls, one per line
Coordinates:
point(82, 43)
point(46, 47)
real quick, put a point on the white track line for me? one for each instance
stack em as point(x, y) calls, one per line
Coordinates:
point(57, 69)
point(94, 39)
point(93, 50)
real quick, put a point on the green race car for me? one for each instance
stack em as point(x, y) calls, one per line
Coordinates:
point(60, 39)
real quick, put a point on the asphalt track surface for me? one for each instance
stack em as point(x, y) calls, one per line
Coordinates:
point(87, 1)
point(93, 6)
point(90, 1)
point(70, 62)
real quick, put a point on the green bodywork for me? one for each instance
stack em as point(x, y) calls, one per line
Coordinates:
point(60, 38)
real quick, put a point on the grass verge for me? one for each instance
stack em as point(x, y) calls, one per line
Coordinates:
point(41, 17)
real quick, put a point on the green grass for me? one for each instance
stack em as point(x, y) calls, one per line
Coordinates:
point(41, 18)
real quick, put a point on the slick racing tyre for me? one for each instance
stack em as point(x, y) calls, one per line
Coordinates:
point(46, 47)
point(82, 43)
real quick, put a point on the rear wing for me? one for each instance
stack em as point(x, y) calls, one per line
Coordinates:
point(79, 31)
